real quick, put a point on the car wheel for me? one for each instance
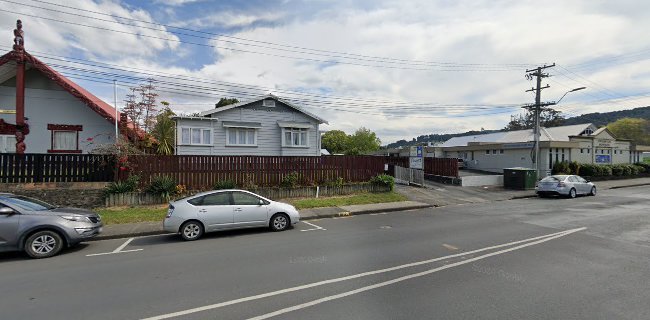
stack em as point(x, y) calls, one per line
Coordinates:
point(191, 230)
point(572, 193)
point(279, 222)
point(540, 195)
point(43, 244)
point(593, 191)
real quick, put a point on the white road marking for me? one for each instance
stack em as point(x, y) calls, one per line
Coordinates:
point(118, 250)
point(404, 278)
point(350, 277)
point(315, 227)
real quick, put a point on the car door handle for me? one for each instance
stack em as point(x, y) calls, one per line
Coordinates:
point(237, 209)
point(203, 211)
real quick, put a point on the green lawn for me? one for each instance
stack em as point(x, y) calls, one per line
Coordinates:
point(157, 213)
point(136, 214)
point(364, 198)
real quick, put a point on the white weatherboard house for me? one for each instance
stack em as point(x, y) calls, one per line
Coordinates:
point(264, 126)
point(584, 143)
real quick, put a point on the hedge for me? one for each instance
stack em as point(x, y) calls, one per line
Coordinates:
point(605, 170)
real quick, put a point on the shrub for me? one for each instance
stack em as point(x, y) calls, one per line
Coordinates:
point(587, 170)
point(627, 170)
point(574, 167)
point(225, 184)
point(634, 169)
point(383, 180)
point(163, 186)
point(617, 170)
point(338, 182)
point(604, 170)
point(646, 166)
point(128, 185)
point(561, 168)
point(639, 169)
point(290, 180)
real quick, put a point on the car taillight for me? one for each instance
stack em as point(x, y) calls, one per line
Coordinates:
point(561, 185)
point(170, 210)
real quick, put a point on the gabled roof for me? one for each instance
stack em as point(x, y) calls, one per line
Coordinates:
point(102, 108)
point(547, 134)
point(267, 96)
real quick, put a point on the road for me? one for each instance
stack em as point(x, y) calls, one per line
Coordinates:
point(518, 259)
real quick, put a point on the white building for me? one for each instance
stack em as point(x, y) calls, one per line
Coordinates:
point(583, 143)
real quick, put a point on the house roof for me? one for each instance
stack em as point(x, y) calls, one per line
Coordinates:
point(547, 134)
point(8, 71)
point(266, 96)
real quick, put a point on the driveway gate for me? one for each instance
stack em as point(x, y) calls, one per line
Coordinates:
point(409, 176)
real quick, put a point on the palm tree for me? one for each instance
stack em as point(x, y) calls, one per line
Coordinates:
point(163, 131)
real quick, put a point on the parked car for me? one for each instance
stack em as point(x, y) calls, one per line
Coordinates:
point(41, 229)
point(565, 185)
point(211, 211)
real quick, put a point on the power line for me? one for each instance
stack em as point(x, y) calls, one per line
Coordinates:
point(282, 46)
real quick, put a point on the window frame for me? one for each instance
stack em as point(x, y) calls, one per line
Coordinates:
point(237, 136)
point(202, 143)
point(53, 128)
point(297, 131)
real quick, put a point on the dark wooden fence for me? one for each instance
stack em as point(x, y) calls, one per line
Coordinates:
point(29, 168)
point(447, 167)
point(201, 172)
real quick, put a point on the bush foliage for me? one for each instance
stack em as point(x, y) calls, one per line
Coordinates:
point(128, 185)
point(225, 184)
point(163, 186)
point(383, 180)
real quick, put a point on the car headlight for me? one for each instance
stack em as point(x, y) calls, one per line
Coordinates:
point(76, 218)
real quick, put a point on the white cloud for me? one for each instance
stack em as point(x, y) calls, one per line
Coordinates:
point(176, 2)
point(229, 20)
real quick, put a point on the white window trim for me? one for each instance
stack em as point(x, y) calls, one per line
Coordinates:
point(180, 136)
point(238, 129)
point(284, 142)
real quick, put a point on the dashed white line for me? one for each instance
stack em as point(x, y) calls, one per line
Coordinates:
point(355, 276)
point(315, 227)
point(118, 250)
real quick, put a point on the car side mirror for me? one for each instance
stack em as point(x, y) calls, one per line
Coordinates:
point(262, 202)
point(7, 211)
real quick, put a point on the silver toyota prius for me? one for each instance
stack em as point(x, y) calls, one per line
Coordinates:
point(565, 185)
point(211, 211)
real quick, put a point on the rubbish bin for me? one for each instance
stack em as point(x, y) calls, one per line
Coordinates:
point(519, 178)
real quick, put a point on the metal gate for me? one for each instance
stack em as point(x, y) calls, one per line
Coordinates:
point(409, 176)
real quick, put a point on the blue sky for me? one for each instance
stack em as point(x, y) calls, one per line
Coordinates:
point(394, 66)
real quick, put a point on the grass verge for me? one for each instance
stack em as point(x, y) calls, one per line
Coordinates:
point(364, 198)
point(119, 215)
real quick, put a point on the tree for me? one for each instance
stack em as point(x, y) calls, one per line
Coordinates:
point(141, 105)
point(362, 141)
point(548, 118)
point(226, 101)
point(335, 141)
point(163, 130)
point(635, 129)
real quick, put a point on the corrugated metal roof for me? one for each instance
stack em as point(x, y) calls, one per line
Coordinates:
point(548, 134)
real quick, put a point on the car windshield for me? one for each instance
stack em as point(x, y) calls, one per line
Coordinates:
point(29, 203)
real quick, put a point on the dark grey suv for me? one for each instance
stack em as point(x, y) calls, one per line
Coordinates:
point(41, 229)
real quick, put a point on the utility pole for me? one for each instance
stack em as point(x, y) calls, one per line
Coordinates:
point(538, 75)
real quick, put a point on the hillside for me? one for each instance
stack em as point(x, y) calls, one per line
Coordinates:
point(597, 118)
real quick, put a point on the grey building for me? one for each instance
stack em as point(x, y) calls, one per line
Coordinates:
point(62, 117)
point(584, 143)
point(264, 126)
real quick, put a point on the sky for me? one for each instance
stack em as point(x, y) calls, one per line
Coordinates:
point(399, 68)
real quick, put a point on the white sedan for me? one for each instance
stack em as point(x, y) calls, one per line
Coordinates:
point(211, 211)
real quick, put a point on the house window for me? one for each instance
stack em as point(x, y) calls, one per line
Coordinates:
point(241, 137)
point(494, 151)
point(196, 136)
point(487, 151)
point(7, 143)
point(295, 137)
point(64, 138)
point(582, 150)
point(501, 151)
point(268, 103)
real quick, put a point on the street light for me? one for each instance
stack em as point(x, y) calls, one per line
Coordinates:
point(537, 126)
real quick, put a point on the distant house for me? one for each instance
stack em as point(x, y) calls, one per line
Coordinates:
point(264, 126)
point(60, 116)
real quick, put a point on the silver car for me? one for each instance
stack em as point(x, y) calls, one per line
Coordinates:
point(565, 185)
point(41, 229)
point(227, 209)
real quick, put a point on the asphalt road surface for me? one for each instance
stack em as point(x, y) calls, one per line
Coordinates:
point(585, 258)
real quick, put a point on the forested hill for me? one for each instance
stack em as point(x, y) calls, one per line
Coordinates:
point(597, 118)
point(601, 119)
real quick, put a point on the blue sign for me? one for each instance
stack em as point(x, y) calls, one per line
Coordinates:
point(603, 158)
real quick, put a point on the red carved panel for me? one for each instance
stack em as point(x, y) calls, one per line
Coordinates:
point(7, 128)
point(64, 127)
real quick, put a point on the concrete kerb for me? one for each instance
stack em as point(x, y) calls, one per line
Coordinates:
point(630, 186)
point(325, 213)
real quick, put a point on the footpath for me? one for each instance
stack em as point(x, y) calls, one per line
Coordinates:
point(433, 195)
